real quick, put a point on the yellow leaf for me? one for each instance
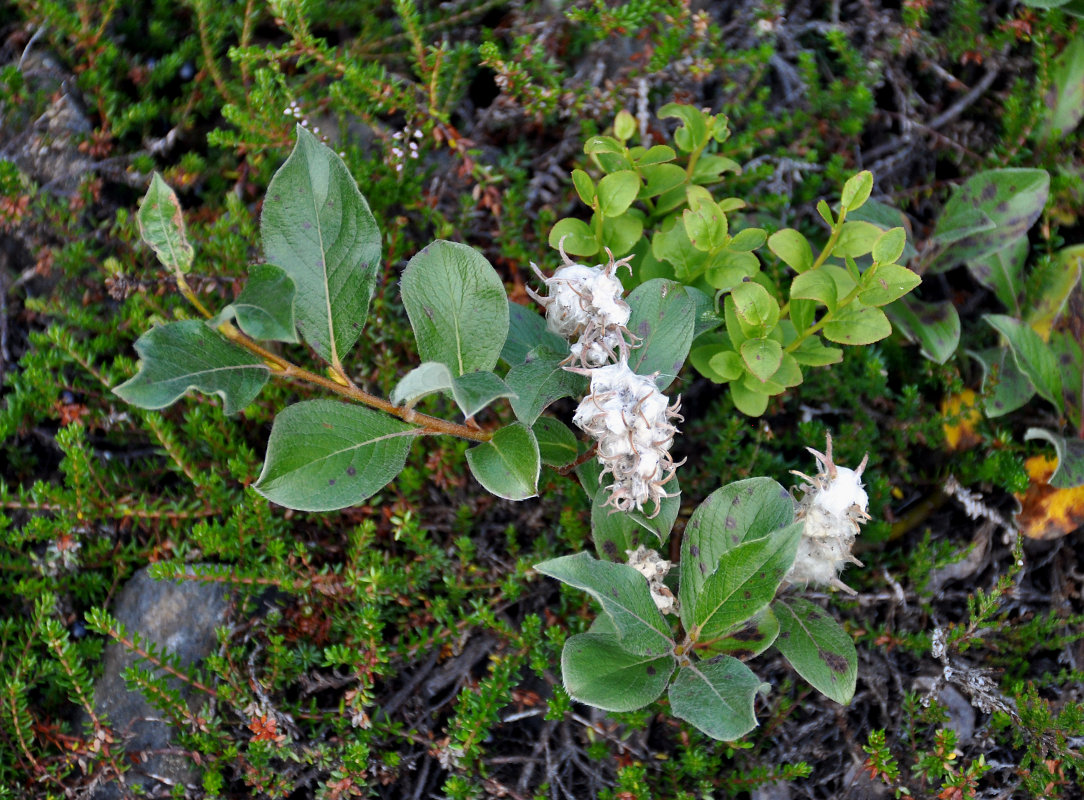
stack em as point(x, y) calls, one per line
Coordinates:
point(1046, 512)
point(960, 417)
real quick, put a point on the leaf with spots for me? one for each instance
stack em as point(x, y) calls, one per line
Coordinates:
point(817, 647)
point(508, 464)
point(1004, 387)
point(161, 225)
point(324, 455)
point(1033, 357)
point(457, 306)
point(598, 671)
point(745, 581)
point(985, 214)
point(736, 513)
point(935, 327)
point(663, 317)
point(754, 636)
point(623, 593)
point(180, 356)
point(717, 697)
point(857, 324)
point(317, 226)
point(1069, 472)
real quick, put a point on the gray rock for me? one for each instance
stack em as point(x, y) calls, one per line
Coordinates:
point(180, 618)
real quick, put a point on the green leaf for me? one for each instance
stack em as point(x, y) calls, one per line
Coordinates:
point(755, 307)
point(738, 512)
point(161, 225)
point(508, 464)
point(762, 356)
point(671, 244)
point(603, 144)
point(663, 317)
point(624, 125)
point(457, 306)
point(886, 217)
point(717, 697)
point(616, 192)
point(815, 285)
point(889, 247)
point(748, 401)
point(656, 154)
point(751, 639)
point(179, 356)
point(324, 455)
point(1033, 357)
point(622, 591)
point(705, 226)
point(1049, 296)
point(1003, 273)
point(707, 318)
point(746, 580)
point(427, 378)
point(317, 226)
point(598, 671)
point(1070, 470)
point(265, 307)
point(557, 445)
point(747, 240)
point(812, 353)
point(885, 283)
point(539, 381)
point(476, 390)
point(792, 248)
point(856, 238)
point(857, 324)
point(934, 326)
point(802, 313)
point(985, 214)
point(623, 232)
point(709, 168)
point(1004, 387)
point(526, 331)
point(694, 133)
point(613, 532)
point(817, 647)
point(662, 522)
point(726, 365)
point(574, 236)
point(1065, 101)
point(585, 187)
point(728, 268)
point(856, 190)
point(660, 178)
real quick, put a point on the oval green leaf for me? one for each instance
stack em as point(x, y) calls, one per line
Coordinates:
point(457, 306)
point(596, 670)
point(323, 455)
point(717, 697)
point(508, 464)
point(318, 228)
point(817, 647)
point(179, 356)
point(161, 225)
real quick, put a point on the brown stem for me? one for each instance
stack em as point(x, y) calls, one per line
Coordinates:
point(285, 369)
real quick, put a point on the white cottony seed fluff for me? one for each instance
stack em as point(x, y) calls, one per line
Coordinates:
point(832, 508)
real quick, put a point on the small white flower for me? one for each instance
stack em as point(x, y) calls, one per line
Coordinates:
point(832, 508)
point(631, 420)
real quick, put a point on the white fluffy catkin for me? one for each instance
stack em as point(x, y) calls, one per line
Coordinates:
point(832, 508)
